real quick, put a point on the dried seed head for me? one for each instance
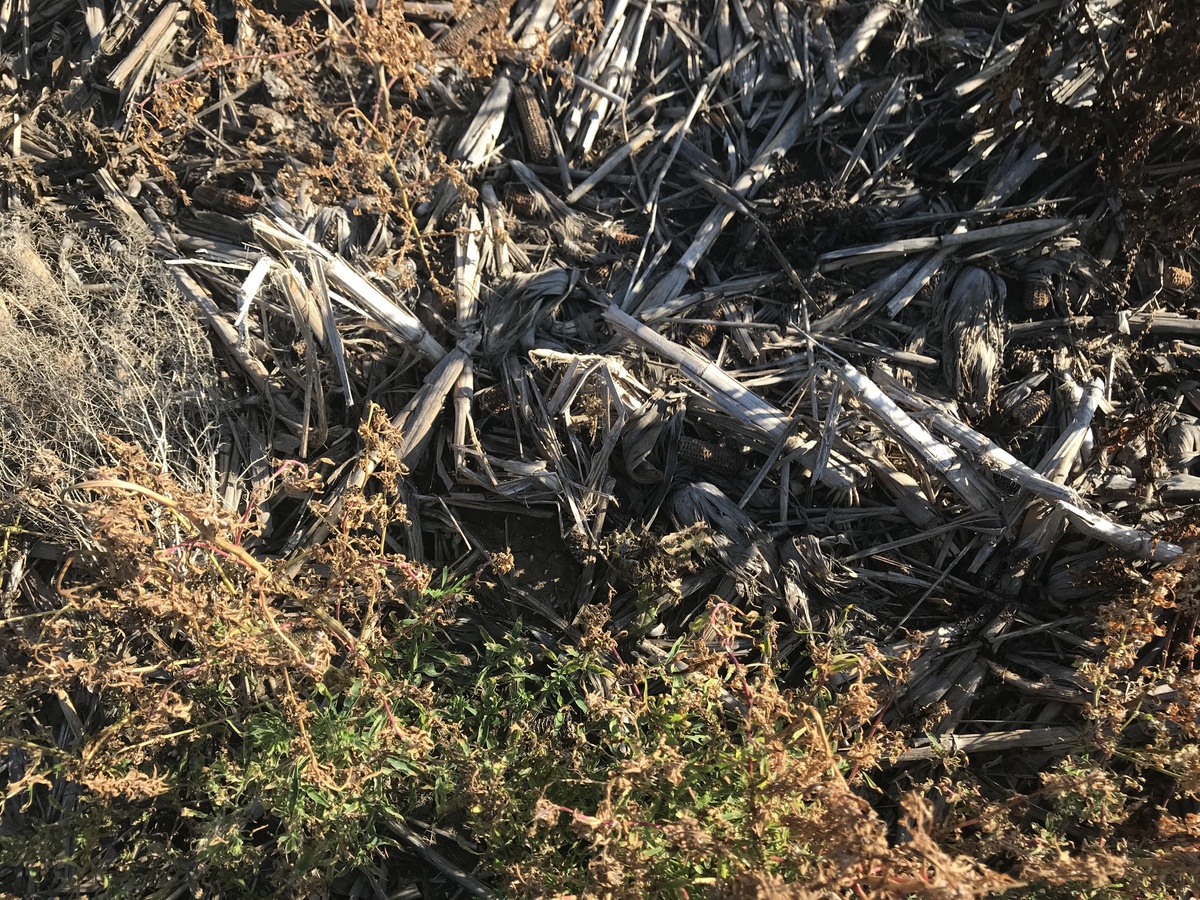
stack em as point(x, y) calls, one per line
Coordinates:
point(1177, 279)
point(1037, 294)
point(533, 124)
point(1030, 410)
point(709, 457)
point(229, 202)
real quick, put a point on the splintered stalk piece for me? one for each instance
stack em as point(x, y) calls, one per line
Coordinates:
point(998, 460)
point(967, 483)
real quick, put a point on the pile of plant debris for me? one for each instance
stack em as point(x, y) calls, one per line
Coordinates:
point(608, 449)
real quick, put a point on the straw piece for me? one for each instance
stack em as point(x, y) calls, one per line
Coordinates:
point(455, 872)
point(479, 140)
point(1060, 739)
point(1039, 229)
point(622, 153)
point(129, 73)
point(1062, 456)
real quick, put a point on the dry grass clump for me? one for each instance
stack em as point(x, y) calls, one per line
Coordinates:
point(94, 340)
point(181, 715)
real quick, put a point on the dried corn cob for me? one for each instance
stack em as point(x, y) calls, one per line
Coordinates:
point(702, 335)
point(1037, 294)
point(487, 16)
point(872, 97)
point(1177, 279)
point(1022, 362)
point(625, 240)
point(492, 401)
point(1030, 410)
point(709, 457)
point(577, 544)
point(225, 201)
point(982, 21)
point(559, 726)
point(520, 201)
point(971, 310)
point(533, 124)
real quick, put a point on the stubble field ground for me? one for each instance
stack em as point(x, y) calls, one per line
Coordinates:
point(602, 449)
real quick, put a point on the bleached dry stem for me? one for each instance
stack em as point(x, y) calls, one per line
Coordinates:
point(1004, 464)
point(736, 400)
